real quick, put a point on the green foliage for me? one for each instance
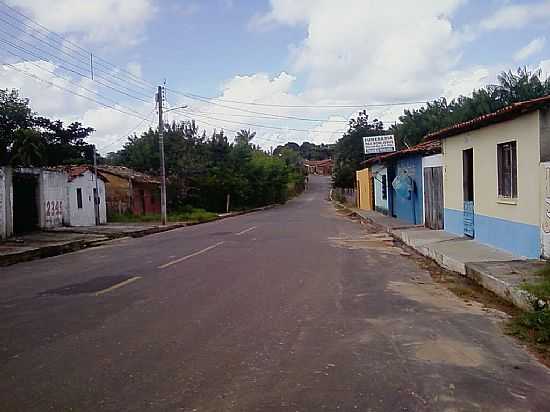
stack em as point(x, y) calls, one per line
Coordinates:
point(30, 140)
point(203, 171)
point(533, 327)
point(349, 151)
point(306, 150)
point(512, 87)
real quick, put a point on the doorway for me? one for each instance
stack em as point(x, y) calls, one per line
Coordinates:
point(25, 203)
point(433, 197)
point(468, 191)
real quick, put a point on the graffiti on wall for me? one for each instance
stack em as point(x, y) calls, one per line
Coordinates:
point(54, 212)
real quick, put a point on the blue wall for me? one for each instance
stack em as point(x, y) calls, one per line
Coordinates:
point(409, 210)
point(517, 238)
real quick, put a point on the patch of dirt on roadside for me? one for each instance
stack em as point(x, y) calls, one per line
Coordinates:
point(450, 352)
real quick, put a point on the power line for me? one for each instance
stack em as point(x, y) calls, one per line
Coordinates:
point(131, 131)
point(82, 66)
point(64, 68)
point(26, 73)
point(76, 47)
point(302, 106)
point(265, 126)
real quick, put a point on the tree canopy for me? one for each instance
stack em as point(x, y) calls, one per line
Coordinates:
point(27, 139)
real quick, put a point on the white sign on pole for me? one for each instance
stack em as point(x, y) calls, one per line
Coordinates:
point(379, 144)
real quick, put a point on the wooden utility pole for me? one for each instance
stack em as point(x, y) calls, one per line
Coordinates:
point(96, 191)
point(162, 168)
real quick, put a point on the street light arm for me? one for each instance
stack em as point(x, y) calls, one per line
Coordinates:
point(176, 108)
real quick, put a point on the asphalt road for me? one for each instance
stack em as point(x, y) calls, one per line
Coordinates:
point(296, 308)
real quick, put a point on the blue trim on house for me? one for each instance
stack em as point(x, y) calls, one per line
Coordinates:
point(517, 238)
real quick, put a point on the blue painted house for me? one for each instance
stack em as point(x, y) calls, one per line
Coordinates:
point(405, 177)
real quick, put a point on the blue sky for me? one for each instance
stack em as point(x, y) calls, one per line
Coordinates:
point(278, 52)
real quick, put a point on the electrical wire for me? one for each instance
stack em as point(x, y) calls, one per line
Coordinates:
point(26, 73)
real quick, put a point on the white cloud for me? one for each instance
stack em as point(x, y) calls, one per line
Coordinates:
point(517, 16)
point(363, 50)
point(533, 47)
point(55, 101)
point(110, 22)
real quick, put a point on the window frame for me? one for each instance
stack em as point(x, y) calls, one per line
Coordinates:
point(507, 165)
point(79, 199)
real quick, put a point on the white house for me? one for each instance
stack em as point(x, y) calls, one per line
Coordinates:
point(34, 198)
point(81, 188)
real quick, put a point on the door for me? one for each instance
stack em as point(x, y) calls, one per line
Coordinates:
point(468, 191)
point(433, 197)
point(372, 194)
point(25, 203)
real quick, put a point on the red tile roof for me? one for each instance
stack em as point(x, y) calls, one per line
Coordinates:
point(425, 148)
point(506, 113)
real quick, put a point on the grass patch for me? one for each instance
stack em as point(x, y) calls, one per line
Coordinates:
point(186, 215)
point(533, 327)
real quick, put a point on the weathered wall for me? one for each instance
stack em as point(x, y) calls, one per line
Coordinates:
point(6, 201)
point(364, 190)
point(510, 224)
point(86, 215)
point(53, 195)
point(117, 194)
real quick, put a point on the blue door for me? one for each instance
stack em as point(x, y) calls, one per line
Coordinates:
point(469, 219)
point(468, 191)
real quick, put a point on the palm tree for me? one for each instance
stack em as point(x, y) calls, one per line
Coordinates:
point(28, 148)
point(244, 136)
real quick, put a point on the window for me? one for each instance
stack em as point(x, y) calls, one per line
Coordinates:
point(384, 187)
point(79, 198)
point(507, 170)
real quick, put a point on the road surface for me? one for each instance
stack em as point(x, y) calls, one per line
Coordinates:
point(296, 308)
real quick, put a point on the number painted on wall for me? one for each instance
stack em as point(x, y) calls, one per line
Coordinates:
point(54, 208)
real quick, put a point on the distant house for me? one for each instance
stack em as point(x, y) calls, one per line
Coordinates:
point(408, 184)
point(497, 178)
point(33, 198)
point(129, 191)
point(319, 167)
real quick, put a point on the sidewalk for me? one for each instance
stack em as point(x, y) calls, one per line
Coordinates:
point(43, 244)
point(496, 270)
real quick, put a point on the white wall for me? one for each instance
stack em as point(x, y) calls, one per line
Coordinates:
point(6, 200)
point(86, 215)
point(52, 195)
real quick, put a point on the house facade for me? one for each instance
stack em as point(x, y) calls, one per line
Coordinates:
point(34, 198)
point(81, 192)
point(496, 178)
point(128, 191)
point(319, 167)
point(399, 183)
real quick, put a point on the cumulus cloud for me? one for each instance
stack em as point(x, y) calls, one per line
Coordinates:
point(517, 16)
point(362, 49)
point(112, 22)
point(533, 47)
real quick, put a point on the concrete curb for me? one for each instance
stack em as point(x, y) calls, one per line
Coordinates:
point(512, 294)
point(47, 251)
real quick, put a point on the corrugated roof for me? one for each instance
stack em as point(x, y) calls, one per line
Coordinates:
point(506, 113)
point(127, 173)
point(426, 148)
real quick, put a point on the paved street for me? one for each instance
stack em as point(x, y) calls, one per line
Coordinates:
point(296, 308)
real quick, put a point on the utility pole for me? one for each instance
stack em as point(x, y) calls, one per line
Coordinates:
point(96, 191)
point(163, 217)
